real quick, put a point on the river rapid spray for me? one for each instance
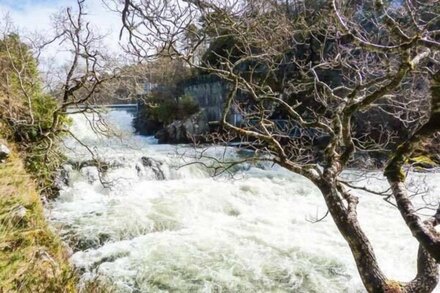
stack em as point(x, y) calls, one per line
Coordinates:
point(161, 228)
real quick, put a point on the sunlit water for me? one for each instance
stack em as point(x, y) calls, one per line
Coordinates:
point(165, 227)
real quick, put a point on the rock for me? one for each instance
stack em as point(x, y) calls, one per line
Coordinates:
point(143, 122)
point(423, 162)
point(146, 126)
point(91, 173)
point(192, 129)
point(149, 162)
point(62, 177)
point(4, 152)
point(154, 166)
point(162, 136)
point(101, 165)
point(18, 214)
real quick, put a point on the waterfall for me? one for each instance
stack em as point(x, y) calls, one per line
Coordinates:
point(162, 223)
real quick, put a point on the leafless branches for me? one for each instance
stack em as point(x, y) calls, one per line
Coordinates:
point(301, 79)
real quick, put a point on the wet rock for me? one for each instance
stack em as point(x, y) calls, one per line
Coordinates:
point(154, 166)
point(78, 243)
point(62, 177)
point(91, 173)
point(149, 162)
point(102, 165)
point(146, 126)
point(4, 152)
point(138, 169)
point(192, 129)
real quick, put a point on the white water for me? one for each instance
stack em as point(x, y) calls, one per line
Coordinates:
point(194, 233)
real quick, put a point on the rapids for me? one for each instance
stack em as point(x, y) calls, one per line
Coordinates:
point(159, 224)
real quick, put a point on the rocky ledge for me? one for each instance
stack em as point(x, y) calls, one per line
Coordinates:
point(192, 129)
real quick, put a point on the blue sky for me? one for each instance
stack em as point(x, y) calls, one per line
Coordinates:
point(22, 4)
point(35, 16)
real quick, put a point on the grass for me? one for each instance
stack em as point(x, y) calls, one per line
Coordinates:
point(32, 257)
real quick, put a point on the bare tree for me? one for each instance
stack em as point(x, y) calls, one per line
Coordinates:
point(300, 76)
point(88, 66)
point(36, 116)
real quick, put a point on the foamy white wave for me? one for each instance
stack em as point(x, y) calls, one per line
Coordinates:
point(156, 226)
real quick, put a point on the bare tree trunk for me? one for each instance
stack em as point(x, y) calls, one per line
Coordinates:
point(373, 69)
point(346, 220)
point(427, 274)
point(372, 276)
point(425, 231)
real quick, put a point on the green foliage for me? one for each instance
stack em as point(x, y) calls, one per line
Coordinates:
point(32, 258)
point(187, 106)
point(26, 112)
point(165, 109)
point(44, 106)
point(166, 103)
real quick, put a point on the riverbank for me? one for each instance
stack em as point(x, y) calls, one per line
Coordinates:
point(32, 257)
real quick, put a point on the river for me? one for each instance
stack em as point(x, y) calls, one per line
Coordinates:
point(159, 224)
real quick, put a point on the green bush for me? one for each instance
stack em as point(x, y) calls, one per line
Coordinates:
point(166, 109)
point(26, 112)
point(188, 106)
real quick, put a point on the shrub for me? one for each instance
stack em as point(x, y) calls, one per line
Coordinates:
point(26, 112)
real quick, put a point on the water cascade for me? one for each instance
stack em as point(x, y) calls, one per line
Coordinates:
point(140, 217)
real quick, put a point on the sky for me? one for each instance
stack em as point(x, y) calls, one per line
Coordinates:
point(30, 16)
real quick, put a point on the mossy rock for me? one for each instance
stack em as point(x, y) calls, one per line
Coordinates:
point(423, 162)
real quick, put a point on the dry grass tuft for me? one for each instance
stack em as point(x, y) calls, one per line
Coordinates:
point(32, 258)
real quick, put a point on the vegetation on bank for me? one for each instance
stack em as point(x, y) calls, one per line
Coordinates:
point(32, 257)
point(165, 101)
point(27, 112)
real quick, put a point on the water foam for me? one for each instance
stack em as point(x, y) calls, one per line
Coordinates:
point(194, 233)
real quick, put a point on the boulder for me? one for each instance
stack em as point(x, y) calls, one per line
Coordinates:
point(185, 131)
point(18, 214)
point(4, 152)
point(155, 166)
point(146, 126)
